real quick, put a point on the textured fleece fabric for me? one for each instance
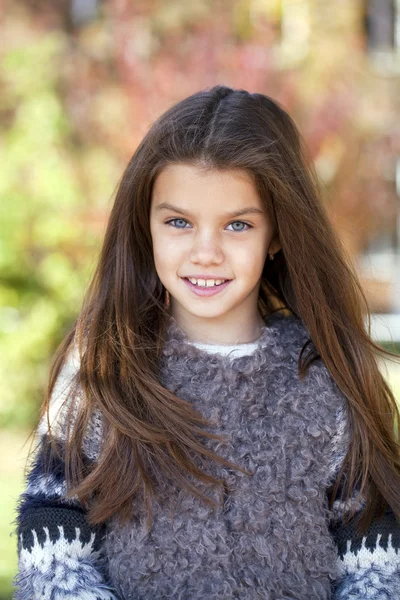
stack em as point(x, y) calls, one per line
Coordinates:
point(270, 538)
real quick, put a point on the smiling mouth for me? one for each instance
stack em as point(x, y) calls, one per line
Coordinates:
point(205, 290)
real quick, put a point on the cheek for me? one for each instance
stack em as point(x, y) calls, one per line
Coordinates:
point(250, 259)
point(166, 254)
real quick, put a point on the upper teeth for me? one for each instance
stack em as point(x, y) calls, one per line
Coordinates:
point(206, 282)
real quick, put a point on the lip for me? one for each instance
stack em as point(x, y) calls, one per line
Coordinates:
point(205, 291)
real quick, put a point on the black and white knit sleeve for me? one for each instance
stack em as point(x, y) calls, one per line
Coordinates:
point(59, 552)
point(369, 565)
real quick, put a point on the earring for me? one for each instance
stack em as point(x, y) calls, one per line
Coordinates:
point(167, 299)
point(271, 256)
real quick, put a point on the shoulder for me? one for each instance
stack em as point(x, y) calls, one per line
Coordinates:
point(66, 400)
point(65, 391)
point(318, 392)
point(288, 336)
point(284, 338)
point(287, 333)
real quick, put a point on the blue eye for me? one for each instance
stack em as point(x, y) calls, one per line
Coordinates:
point(171, 221)
point(242, 223)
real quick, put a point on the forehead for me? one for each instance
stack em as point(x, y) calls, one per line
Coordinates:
point(188, 183)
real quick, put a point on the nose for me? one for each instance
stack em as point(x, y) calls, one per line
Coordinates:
point(206, 250)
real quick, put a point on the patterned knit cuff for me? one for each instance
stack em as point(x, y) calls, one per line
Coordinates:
point(371, 563)
point(59, 557)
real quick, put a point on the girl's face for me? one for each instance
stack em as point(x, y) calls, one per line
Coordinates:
point(197, 232)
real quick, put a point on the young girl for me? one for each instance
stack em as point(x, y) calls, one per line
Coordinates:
point(216, 425)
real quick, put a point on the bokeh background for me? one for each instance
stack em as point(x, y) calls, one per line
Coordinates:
point(80, 83)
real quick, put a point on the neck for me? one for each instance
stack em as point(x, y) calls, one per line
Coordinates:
point(239, 331)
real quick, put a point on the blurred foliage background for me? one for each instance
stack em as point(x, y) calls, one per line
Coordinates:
point(82, 80)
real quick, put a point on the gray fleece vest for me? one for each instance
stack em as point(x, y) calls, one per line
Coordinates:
point(269, 538)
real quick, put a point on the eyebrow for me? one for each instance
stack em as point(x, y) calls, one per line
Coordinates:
point(237, 213)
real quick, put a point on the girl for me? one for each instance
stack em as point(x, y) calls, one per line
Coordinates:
point(216, 425)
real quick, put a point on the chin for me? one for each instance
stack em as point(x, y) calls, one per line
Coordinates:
point(217, 313)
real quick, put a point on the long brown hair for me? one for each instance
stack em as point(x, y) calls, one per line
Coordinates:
point(149, 430)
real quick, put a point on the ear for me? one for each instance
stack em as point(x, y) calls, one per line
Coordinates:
point(274, 246)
